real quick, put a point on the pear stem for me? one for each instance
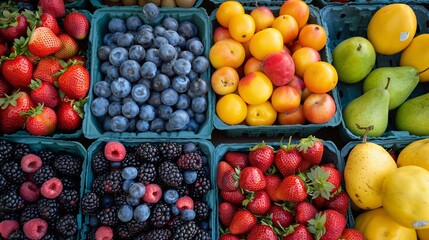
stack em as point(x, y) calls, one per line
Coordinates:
point(388, 83)
point(423, 71)
point(359, 47)
point(365, 134)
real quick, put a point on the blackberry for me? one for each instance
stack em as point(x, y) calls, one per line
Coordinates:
point(169, 151)
point(90, 203)
point(148, 152)
point(121, 232)
point(47, 156)
point(43, 174)
point(176, 222)
point(108, 216)
point(113, 182)
point(67, 226)
point(3, 182)
point(121, 199)
point(12, 172)
point(160, 215)
point(48, 208)
point(146, 173)
point(11, 201)
point(28, 213)
point(185, 231)
point(9, 216)
point(202, 235)
point(182, 190)
point(70, 183)
point(191, 161)
point(6, 151)
point(202, 172)
point(170, 174)
point(159, 234)
point(90, 235)
point(99, 163)
point(200, 187)
point(131, 160)
point(49, 236)
point(202, 210)
point(20, 150)
point(135, 227)
point(69, 201)
point(68, 165)
point(17, 235)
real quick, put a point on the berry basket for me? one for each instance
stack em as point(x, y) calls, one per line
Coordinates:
point(275, 130)
point(101, 4)
point(92, 126)
point(353, 2)
point(36, 144)
point(78, 4)
point(259, 3)
point(331, 154)
point(204, 146)
point(342, 22)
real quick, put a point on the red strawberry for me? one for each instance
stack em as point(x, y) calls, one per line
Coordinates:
point(70, 115)
point(3, 48)
point(305, 165)
point(78, 58)
point(327, 225)
point(258, 202)
point(55, 7)
point(235, 197)
point(17, 71)
point(280, 216)
point(261, 156)
point(41, 120)
point(222, 168)
point(226, 212)
point(69, 47)
point(351, 234)
point(44, 92)
point(287, 159)
point(304, 211)
point(11, 107)
point(235, 159)
point(46, 68)
point(292, 188)
point(43, 42)
point(76, 25)
point(229, 181)
point(5, 87)
point(273, 182)
point(252, 179)
point(299, 232)
point(330, 164)
point(262, 232)
point(324, 181)
point(12, 25)
point(74, 81)
point(311, 149)
point(242, 222)
point(40, 19)
point(229, 236)
point(320, 202)
point(339, 202)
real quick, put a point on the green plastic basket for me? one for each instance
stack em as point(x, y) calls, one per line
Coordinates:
point(92, 127)
point(342, 22)
point(276, 130)
point(207, 148)
point(259, 3)
point(78, 4)
point(36, 144)
point(331, 154)
point(101, 4)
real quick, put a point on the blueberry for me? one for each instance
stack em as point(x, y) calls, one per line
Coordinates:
point(117, 25)
point(114, 98)
point(170, 23)
point(192, 75)
point(181, 83)
point(145, 27)
point(174, 210)
point(205, 160)
point(104, 66)
point(145, 82)
point(200, 64)
point(187, 29)
point(142, 125)
point(160, 82)
point(172, 37)
point(187, 215)
point(151, 12)
point(106, 123)
point(103, 53)
point(129, 173)
point(196, 47)
point(159, 31)
point(177, 120)
point(183, 102)
point(117, 56)
point(140, 93)
point(137, 190)
point(99, 106)
point(148, 70)
point(137, 53)
point(190, 112)
point(192, 126)
point(152, 55)
point(107, 40)
point(147, 112)
point(107, 201)
point(182, 66)
point(115, 109)
point(190, 176)
point(126, 99)
point(141, 213)
point(167, 69)
point(119, 124)
point(133, 23)
point(199, 104)
point(186, 54)
point(200, 117)
point(112, 72)
point(132, 125)
point(115, 37)
point(155, 99)
point(182, 43)
point(157, 125)
point(169, 97)
point(94, 221)
point(170, 196)
point(125, 40)
point(189, 147)
point(117, 165)
point(159, 41)
point(126, 185)
point(130, 110)
point(130, 70)
point(120, 87)
point(133, 202)
point(199, 87)
point(102, 89)
point(144, 38)
point(164, 112)
point(167, 52)
point(125, 213)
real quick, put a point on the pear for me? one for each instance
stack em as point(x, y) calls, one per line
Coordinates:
point(403, 80)
point(371, 108)
point(353, 59)
point(413, 115)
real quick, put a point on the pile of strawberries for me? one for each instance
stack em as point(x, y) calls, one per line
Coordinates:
point(43, 79)
point(285, 193)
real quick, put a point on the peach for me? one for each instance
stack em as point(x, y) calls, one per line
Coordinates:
point(255, 88)
point(252, 65)
point(297, 83)
point(263, 17)
point(221, 33)
point(227, 52)
point(303, 57)
point(279, 67)
point(285, 99)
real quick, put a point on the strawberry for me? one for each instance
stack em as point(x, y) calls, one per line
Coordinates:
point(70, 115)
point(261, 156)
point(76, 25)
point(229, 236)
point(10, 109)
point(329, 164)
point(78, 58)
point(327, 225)
point(252, 179)
point(44, 92)
point(46, 68)
point(292, 188)
point(237, 159)
point(5, 87)
point(40, 19)
point(339, 202)
point(280, 217)
point(304, 165)
point(324, 181)
point(43, 42)
point(17, 71)
point(311, 149)
point(3, 48)
point(242, 222)
point(273, 182)
point(320, 202)
point(261, 231)
point(55, 7)
point(69, 47)
point(304, 211)
point(258, 202)
point(41, 120)
point(226, 212)
point(12, 25)
point(287, 159)
point(235, 197)
point(351, 234)
point(298, 232)
point(74, 81)
point(229, 181)
point(222, 168)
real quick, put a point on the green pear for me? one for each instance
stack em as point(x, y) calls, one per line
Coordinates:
point(403, 80)
point(353, 59)
point(371, 108)
point(413, 115)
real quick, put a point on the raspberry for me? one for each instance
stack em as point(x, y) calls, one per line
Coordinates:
point(30, 163)
point(185, 203)
point(114, 151)
point(35, 228)
point(104, 232)
point(52, 188)
point(29, 192)
point(7, 227)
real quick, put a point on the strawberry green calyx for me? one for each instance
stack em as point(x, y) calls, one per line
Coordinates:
point(306, 143)
point(66, 65)
point(317, 225)
point(35, 84)
point(10, 99)
point(33, 17)
point(289, 146)
point(260, 145)
point(34, 111)
point(317, 179)
point(249, 197)
point(8, 18)
point(78, 107)
point(20, 46)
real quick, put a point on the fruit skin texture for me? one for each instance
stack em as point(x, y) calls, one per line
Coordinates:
point(69, 115)
point(41, 120)
point(258, 47)
point(55, 7)
point(262, 232)
point(44, 92)
point(261, 156)
point(392, 28)
point(17, 71)
point(43, 42)
point(292, 188)
point(311, 149)
point(299, 232)
point(261, 114)
point(74, 81)
point(252, 179)
point(376, 224)
point(46, 68)
point(255, 88)
point(279, 67)
point(416, 55)
point(327, 225)
point(242, 222)
point(76, 25)
point(7, 227)
point(412, 114)
point(114, 151)
point(319, 108)
point(11, 107)
point(259, 203)
point(227, 52)
point(226, 213)
point(351, 234)
point(416, 154)
point(69, 47)
point(12, 32)
point(231, 109)
point(287, 159)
